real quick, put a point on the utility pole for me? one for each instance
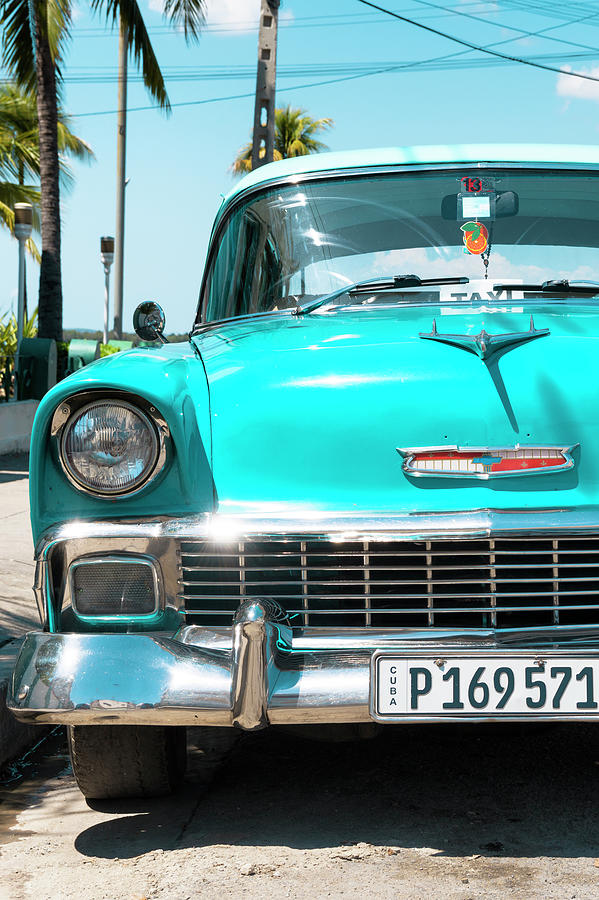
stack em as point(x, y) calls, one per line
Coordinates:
point(266, 84)
point(121, 154)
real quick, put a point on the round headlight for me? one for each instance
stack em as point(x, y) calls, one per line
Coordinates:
point(109, 447)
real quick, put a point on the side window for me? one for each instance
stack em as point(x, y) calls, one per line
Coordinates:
point(244, 275)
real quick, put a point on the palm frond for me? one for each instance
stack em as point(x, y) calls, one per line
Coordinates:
point(33, 250)
point(139, 41)
point(70, 143)
point(17, 193)
point(243, 160)
point(294, 136)
point(17, 41)
point(19, 138)
point(56, 19)
point(190, 15)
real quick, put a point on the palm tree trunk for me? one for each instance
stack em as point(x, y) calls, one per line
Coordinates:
point(50, 292)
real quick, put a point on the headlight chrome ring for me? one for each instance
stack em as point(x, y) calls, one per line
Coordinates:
point(109, 446)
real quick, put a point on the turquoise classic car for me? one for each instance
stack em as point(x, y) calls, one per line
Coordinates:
point(364, 492)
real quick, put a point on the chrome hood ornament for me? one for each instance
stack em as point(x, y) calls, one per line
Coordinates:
point(486, 345)
point(486, 462)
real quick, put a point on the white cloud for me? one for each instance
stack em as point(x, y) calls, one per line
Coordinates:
point(567, 86)
point(431, 263)
point(240, 15)
point(76, 12)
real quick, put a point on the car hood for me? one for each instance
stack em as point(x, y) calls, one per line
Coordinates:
point(307, 412)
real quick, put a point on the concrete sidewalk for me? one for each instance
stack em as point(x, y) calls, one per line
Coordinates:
point(18, 612)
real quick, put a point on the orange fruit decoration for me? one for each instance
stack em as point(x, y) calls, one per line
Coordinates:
point(476, 237)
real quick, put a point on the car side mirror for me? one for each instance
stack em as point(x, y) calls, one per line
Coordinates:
point(149, 321)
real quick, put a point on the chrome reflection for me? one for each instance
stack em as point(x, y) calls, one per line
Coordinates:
point(261, 633)
point(262, 676)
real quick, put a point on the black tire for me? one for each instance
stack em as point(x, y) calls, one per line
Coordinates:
point(118, 761)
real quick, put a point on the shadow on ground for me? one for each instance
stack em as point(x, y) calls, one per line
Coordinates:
point(493, 790)
point(14, 467)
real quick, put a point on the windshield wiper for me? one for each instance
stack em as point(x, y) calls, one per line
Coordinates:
point(553, 287)
point(395, 282)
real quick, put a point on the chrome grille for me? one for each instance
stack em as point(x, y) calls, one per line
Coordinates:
point(502, 582)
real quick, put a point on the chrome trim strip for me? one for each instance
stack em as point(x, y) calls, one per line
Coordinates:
point(409, 455)
point(324, 525)
point(359, 638)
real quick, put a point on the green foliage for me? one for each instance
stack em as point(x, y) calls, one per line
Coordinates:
point(295, 134)
point(107, 350)
point(20, 154)
point(55, 18)
point(62, 359)
point(8, 348)
point(33, 39)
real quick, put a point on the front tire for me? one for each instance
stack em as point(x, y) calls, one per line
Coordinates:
point(118, 761)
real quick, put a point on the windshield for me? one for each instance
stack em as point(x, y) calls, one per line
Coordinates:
point(291, 244)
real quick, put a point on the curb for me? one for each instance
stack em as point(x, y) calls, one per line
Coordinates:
point(15, 736)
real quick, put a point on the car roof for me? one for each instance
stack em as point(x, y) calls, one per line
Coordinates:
point(529, 154)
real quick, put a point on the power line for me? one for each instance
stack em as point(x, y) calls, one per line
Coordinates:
point(521, 31)
point(95, 75)
point(185, 74)
point(305, 22)
point(107, 74)
point(434, 64)
point(327, 21)
point(446, 60)
point(548, 9)
point(477, 47)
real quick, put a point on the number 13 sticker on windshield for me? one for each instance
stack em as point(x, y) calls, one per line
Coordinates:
point(476, 237)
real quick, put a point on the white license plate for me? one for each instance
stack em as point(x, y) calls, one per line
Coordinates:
point(493, 685)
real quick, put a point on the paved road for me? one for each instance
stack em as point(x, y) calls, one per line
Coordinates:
point(468, 812)
point(17, 607)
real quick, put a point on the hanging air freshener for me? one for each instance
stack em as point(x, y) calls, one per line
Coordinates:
point(476, 237)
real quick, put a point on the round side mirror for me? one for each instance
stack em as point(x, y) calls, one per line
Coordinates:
point(149, 321)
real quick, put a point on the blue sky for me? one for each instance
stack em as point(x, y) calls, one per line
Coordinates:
point(179, 166)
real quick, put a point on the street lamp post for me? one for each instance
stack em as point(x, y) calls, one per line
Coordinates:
point(23, 228)
point(107, 257)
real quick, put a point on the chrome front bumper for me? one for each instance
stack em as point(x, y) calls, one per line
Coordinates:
point(258, 672)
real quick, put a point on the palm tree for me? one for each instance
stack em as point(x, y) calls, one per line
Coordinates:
point(294, 136)
point(34, 37)
point(20, 154)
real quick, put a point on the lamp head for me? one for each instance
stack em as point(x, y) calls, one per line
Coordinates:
point(23, 221)
point(107, 251)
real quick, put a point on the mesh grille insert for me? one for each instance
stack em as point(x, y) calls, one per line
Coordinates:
point(112, 588)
